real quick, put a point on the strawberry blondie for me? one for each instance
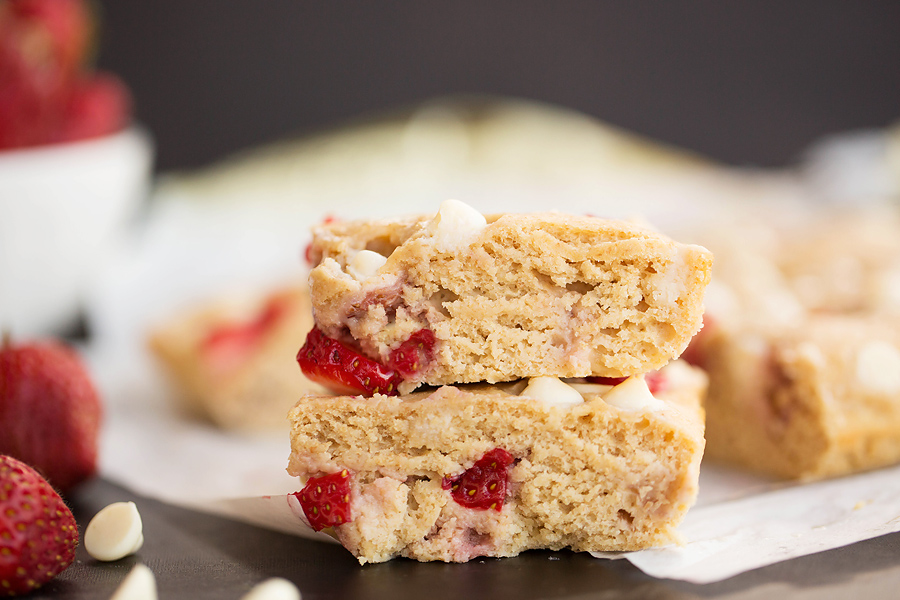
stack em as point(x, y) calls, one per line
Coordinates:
point(458, 297)
point(232, 360)
point(802, 346)
point(493, 470)
point(807, 403)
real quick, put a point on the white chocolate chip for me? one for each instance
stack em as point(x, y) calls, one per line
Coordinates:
point(365, 264)
point(139, 584)
point(115, 532)
point(275, 588)
point(878, 367)
point(633, 395)
point(552, 392)
point(455, 225)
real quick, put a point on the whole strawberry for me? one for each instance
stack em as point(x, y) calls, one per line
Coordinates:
point(38, 534)
point(49, 411)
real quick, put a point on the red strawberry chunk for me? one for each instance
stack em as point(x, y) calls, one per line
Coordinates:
point(326, 500)
point(229, 345)
point(342, 369)
point(655, 381)
point(413, 355)
point(606, 380)
point(38, 534)
point(483, 485)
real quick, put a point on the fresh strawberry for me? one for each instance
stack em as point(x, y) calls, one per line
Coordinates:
point(66, 24)
point(229, 345)
point(47, 94)
point(483, 485)
point(342, 369)
point(655, 380)
point(326, 500)
point(38, 534)
point(95, 106)
point(42, 48)
point(31, 85)
point(49, 411)
point(414, 354)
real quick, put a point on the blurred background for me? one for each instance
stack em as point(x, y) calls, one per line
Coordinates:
point(366, 97)
point(750, 83)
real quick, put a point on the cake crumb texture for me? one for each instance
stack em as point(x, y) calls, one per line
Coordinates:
point(591, 477)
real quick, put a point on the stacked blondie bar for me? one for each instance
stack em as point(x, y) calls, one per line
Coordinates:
point(505, 383)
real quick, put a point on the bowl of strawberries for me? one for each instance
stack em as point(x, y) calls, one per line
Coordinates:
point(74, 166)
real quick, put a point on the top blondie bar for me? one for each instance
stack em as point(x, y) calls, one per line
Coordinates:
point(459, 297)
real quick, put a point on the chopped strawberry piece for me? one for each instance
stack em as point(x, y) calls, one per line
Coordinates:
point(229, 345)
point(326, 500)
point(483, 485)
point(654, 379)
point(38, 533)
point(606, 380)
point(343, 369)
point(414, 354)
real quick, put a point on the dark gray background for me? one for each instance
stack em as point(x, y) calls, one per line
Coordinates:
point(745, 82)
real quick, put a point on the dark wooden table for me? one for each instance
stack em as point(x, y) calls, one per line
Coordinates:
point(197, 556)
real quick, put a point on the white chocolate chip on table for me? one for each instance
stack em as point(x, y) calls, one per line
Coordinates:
point(115, 532)
point(275, 588)
point(139, 584)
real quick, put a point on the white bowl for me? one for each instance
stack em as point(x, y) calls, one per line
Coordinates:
point(64, 209)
